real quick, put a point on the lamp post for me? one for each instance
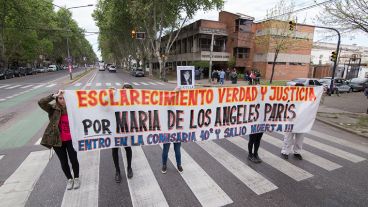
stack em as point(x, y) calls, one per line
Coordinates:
point(67, 37)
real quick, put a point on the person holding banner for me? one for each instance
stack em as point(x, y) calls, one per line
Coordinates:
point(128, 152)
point(254, 140)
point(57, 136)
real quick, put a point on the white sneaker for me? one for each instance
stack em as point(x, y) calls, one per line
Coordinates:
point(77, 183)
point(70, 184)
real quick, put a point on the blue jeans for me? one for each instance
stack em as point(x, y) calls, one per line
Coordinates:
point(221, 81)
point(165, 153)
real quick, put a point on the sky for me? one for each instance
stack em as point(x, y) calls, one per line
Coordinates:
point(256, 9)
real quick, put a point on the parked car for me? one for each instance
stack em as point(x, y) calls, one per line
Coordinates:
point(30, 71)
point(304, 81)
point(112, 68)
point(137, 72)
point(340, 85)
point(358, 84)
point(6, 73)
point(15, 71)
point(22, 71)
point(52, 68)
point(41, 70)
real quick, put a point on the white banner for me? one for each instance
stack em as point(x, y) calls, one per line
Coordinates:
point(110, 118)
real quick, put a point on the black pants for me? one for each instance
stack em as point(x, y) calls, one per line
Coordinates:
point(254, 139)
point(63, 152)
point(115, 157)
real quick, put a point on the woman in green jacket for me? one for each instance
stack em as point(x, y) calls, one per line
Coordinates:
point(57, 136)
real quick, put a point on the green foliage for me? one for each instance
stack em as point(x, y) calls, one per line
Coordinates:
point(231, 63)
point(201, 64)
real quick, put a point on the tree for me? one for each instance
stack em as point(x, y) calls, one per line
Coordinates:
point(346, 14)
point(232, 62)
point(276, 36)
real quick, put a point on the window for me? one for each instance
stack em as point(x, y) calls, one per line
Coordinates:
point(243, 25)
point(311, 82)
point(205, 44)
point(241, 53)
point(277, 63)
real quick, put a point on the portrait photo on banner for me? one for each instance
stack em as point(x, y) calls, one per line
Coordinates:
point(185, 77)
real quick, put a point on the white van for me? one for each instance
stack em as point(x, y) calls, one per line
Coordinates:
point(52, 68)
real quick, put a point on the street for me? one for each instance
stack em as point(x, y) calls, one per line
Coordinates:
point(216, 173)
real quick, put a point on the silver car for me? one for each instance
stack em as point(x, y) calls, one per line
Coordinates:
point(304, 81)
point(138, 72)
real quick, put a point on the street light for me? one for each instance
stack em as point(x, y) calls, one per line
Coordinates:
point(67, 37)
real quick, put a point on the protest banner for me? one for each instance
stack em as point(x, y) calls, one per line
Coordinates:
point(110, 118)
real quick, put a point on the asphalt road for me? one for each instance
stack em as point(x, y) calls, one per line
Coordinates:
point(333, 173)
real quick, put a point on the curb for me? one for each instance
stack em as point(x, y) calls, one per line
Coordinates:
point(341, 128)
point(79, 76)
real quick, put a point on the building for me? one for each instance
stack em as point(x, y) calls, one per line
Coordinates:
point(235, 41)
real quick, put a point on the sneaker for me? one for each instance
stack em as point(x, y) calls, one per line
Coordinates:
point(117, 177)
point(257, 159)
point(250, 157)
point(180, 168)
point(69, 184)
point(77, 183)
point(298, 156)
point(130, 173)
point(285, 156)
point(163, 169)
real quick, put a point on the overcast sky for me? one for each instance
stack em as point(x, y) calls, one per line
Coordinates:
point(257, 9)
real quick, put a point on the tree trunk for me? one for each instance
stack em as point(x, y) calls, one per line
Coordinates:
point(273, 65)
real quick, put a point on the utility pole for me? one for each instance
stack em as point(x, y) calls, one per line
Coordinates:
point(211, 50)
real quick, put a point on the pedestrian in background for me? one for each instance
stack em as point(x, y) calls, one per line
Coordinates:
point(128, 153)
point(254, 143)
point(366, 93)
point(228, 74)
point(57, 136)
point(222, 77)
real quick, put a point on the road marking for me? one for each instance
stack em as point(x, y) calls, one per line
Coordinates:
point(3, 99)
point(108, 84)
point(88, 84)
point(143, 83)
point(345, 143)
point(52, 85)
point(17, 188)
point(312, 158)
point(152, 83)
point(3, 86)
point(98, 84)
point(333, 150)
point(38, 141)
point(251, 178)
point(26, 86)
point(9, 97)
point(39, 86)
point(78, 84)
point(137, 84)
point(276, 162)
point(13, 87)
point(118, 84)
point(1, 157)
point(143, 187)
point(87, 195)
point(202, 185)
point(160, 83)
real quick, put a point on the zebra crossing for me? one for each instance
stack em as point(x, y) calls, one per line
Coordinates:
point(146, 190)
point(24, 89)
point(117, 84)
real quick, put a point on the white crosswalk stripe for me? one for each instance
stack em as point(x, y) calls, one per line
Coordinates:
point(137, 84)
point(143, 83)
point(1, 157)
point(39, 86)
point(312, 158)
point(28, 86)
point(87, 195)
point(203, 187)
point(118, 84)
point(98, 84)
point(360, 147)
point(108, 84)
point(4, 86)
point(276, 162)
point(144, 188)
point(2, 99)
point(251, 178)
point(152, 83)
point(17, 188)
point(160, 83)
point(51, 85)
point(12, 87)
point(77, 84)
point(88, 84)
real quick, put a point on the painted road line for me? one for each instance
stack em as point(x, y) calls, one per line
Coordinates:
point(98, 84)
point(51, 85)
point(4, 86)
point(88, 84)
point(1, 157)
point(118, 84)
point(202, 185)
point(333, 150)
point(307, 156)
point(9, 97)
point(17, 188)
point(152, 83)
point(143, 83)
point(38, 141)
point(26, 86)
point(137, 84)
point(160, 83)
point(11, 87)
point(108, 84)
point(77, 84)
point(143, 187)
point(3, 99)
point(276, 162)
point(39, 86)
point(87, 195)
point(251, 178)
point(345, 143)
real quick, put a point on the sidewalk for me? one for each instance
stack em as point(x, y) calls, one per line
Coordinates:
point(205, 83)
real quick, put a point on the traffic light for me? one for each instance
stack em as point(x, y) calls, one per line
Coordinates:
point(134, 34)
point(333, 56)
point(292, 25)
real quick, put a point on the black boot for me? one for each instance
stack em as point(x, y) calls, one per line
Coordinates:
point(117, 177)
